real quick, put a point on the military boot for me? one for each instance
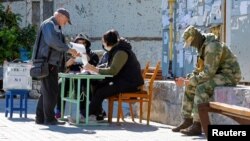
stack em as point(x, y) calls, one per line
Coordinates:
point(185, 124)
point(194, 130)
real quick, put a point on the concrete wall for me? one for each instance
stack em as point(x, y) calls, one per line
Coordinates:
point(137, 20)
point(167, 102)
point(238, 34)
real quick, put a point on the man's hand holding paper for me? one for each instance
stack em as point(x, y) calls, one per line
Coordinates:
point(80, 48)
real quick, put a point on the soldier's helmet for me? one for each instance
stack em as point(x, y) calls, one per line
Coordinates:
point(190, 31)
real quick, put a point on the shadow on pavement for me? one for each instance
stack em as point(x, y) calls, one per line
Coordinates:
point(91, 129)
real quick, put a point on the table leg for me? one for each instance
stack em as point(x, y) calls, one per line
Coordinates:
point(71, 94)
point(62, 96)
point(78, 101)
point(87, 102)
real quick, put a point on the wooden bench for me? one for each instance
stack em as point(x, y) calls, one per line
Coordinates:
point(237, 113)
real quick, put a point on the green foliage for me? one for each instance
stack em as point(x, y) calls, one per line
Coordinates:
point(12, 36)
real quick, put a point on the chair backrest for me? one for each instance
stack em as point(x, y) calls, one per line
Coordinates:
point(145, 70)
point(150, 76)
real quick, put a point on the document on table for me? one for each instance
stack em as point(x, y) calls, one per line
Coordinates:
point(87, 72)
point(80, 48)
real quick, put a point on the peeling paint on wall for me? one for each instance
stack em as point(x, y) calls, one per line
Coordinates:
point(139, 21)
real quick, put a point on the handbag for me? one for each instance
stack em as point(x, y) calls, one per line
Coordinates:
point(40, 69)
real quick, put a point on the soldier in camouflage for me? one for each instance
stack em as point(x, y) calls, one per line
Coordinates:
point(216, 66)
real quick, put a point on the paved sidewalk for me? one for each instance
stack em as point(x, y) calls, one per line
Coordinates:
point(22, 129)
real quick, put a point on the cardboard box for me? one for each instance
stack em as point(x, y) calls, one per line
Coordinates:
point(17, 76)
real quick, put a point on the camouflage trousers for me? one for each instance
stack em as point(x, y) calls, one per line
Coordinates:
point(201, 93)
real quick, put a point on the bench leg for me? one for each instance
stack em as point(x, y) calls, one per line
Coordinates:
point(204, 117)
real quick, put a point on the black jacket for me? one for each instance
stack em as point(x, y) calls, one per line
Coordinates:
point(130, 75)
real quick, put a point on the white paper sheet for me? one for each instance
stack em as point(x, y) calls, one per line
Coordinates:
point(80, 48)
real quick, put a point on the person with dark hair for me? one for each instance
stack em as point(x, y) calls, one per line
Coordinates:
point(75, 67)
point(122, 64)
point(50, 45)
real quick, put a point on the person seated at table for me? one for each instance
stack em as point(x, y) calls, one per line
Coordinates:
point(122, 65)
point(73, 66)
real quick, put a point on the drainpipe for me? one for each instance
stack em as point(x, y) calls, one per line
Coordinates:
point(171, 13)
point(171, 35)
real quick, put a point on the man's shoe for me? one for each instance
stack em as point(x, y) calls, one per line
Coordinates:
point(54, 122)
point(185, 124)
point(194, 130)
point(39, 121)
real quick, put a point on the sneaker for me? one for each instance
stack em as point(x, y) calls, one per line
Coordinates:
point(73, 120)
point(92, 118)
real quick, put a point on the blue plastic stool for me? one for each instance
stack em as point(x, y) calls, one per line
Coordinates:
point(9, 102)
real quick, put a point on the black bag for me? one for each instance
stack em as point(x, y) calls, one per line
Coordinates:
point(40, 69)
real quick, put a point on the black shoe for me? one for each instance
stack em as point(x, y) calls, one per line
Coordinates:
point(101, 116)
point(54, 122)
point(39, 121)
point(194, 130)
point(98, 118)
point(104, 113)
point(185, 124)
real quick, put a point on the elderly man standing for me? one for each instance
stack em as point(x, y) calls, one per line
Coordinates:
point(51, 46)
point(217, 66)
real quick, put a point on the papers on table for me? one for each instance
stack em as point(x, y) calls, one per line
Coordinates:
point(80, 48)
point(87, 72)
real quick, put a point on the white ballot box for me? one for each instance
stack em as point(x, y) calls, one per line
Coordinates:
point(17, 76)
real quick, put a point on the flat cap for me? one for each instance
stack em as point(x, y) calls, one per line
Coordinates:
point(65, 13)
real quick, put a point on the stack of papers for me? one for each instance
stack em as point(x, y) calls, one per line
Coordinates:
point(80, 48)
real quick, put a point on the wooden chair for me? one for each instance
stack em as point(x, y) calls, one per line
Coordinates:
point(145, 95)
point(112, 99)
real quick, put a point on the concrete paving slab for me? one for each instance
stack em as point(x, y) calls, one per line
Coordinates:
point(22, 129)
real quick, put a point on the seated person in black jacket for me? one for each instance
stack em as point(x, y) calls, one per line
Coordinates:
point(122, 64)
point(73, 66)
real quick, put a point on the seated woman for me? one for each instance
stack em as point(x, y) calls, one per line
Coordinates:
point(73, 66)
point(122, 64)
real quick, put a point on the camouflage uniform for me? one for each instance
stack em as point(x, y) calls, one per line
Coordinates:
point(217, 66)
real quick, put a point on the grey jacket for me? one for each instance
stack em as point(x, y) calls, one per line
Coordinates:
point(50, 38)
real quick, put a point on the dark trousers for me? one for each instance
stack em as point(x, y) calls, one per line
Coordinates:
point(103, 91)
point(48, 99)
